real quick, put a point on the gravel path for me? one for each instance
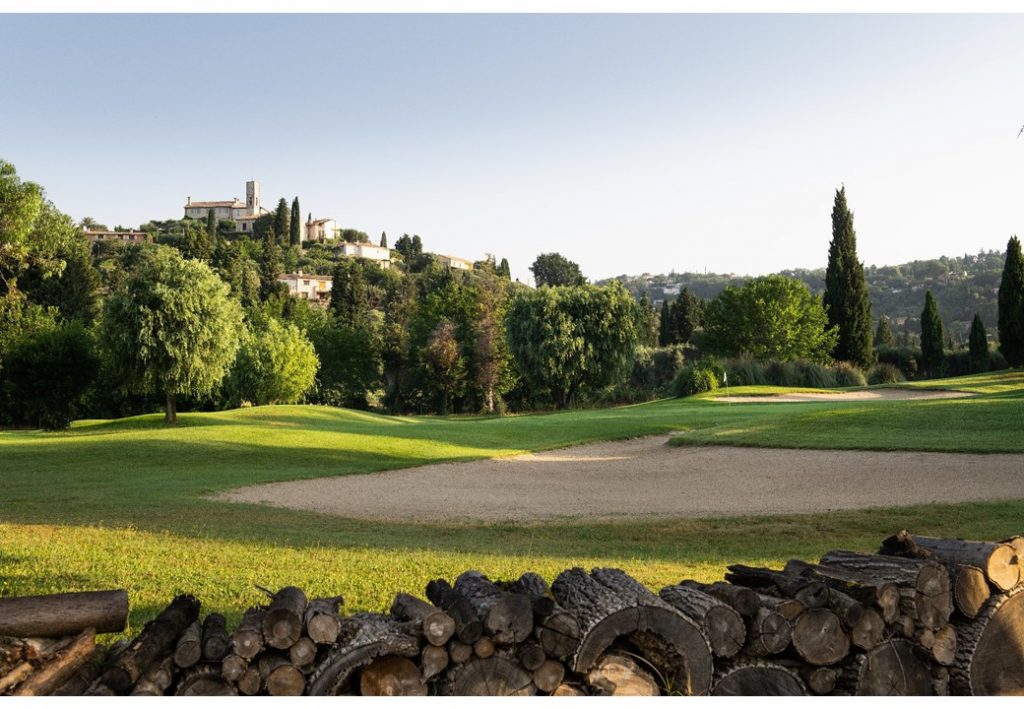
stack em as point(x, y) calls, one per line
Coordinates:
point(643, 477)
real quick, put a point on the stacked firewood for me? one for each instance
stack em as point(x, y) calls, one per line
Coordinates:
point(923, 616)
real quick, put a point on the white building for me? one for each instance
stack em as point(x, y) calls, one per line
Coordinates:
point(313, 288)
point(126, 237)
point(454, 262)
point(242, 213)
point(321, 230)
point(380, 254)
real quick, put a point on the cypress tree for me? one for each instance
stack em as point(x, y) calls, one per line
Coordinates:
point(348, 292)
point(979, 345)
point(883, 335)
point(211, 225)
point(281, 221)
point(383, 240)
point(932, 357)
point(270, 264)
point(846, 291)
point(1011, 305)
point(686, 316)
point(295, 232)
point(504, 271)
point(665, 327)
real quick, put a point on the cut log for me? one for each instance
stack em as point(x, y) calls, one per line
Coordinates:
point(250, 683)
point(468, 627)
point(189, 648)
point(904, 626)
point(283, 621)
point(618, 675)
point(530, 656)
point(233, 667)
point(990, 654)
point(436, 625)
point(16, 675)
point(769, 633)
point(820, 680)
point(998, 561)
point(813, 594)
point(247, 640)
point(363, 638)
point(303, 652)
point(85, 676)
point(609, 605)
point(868, 631)
point(970, 590)
point(883, 595)
point(59, 669)
point(940, 681)
point(156, 680)
point(483, 648)
point(459, 652)
point(216, 641)
point(943, 648)
point(788, 608)
point(157, 640)
point(491, 677)
point(819, 638)
point(722, 624)
point(322, 621)
point(549, 676)
point(280, 676)
point(63, 614)
point(891, 668)
point(433, 661)
point(567, 690)
point(752, 678)
point(507, 617)
point(205, 681)
point(392, 676)
point(745, 601)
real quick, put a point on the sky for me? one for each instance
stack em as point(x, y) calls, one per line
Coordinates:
point(629, 143)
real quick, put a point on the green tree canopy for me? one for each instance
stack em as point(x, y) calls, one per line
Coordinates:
point(27, 236)
point(932, 357)
point(980, 361)
point(883, 335)
point(555, 270)
point(772, 317)
point(846, 292)
point(282, 219)
point(276, 364)
point(1011, 305)
point(349, 292)
point(173, 328)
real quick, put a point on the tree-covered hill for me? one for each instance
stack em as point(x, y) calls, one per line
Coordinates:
point(962, 286)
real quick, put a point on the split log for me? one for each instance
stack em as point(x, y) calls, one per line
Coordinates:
point(468, 627)
point(280, 676)
point(392, 676)
point(205, 681)
point(216, 642)
point(156, 641)
point(891, 668)
point(990, 655)
point(63, 614)
point(998, 561)
point(233, 667)
point(85, 676)
point(818, 637)
point(303, 652)
point(247, 640)
point(436, 625)
point(618, 675)
point(459, 652)
point(530, 656)
point(748, 678)
point(250, 683)
point(813, 594)
point(283, 621)
point(491, 677)
point(156, 680)
point(507, 617)
point(609, 605)
point(363, 638)
point(745, 601)
point(322, 621)
point(60, 668)
point(12, 678)
point(769, 633)
point(970, 590)
point(189, 648)
point(883, 595)
point(722, 624)
point(549, 677)
point(483, 648)
point(433, 661)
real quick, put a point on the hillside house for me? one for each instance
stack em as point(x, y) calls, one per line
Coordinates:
point(380, 254)
point(455, 263)
point(321, 230)
point(242, 213)
point(316, 289)
point(125, 237)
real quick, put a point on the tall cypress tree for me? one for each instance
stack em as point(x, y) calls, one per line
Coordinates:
point(1011, 306)
point(979, 345)
point(295, 232)
point(211, 225)
point(383, 240)
point(281, 221)
point(883, 335)
point(932, 357)
point(504, 271)
point(665, 329)
point(846, 291)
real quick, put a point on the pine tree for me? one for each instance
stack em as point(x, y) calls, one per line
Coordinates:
point(383, 240)
point(1011, 306)
point(270, 264)
point(295, 227)
point(979, 345)
point(883, 335)
point(665, 327)
point(686, 315)
point(281, 221)
point(932, 357)
point(846, 291)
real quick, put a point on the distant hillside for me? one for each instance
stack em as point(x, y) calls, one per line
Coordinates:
point(962, 286)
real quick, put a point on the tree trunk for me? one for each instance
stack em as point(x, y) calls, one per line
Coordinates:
point(216, 642)
point(883, 595)
point(555, 628)
point(483, 648)
point(171, 412)
point(436, 625)
point(891, 668)
point(59, 669)
point(63, 614)
point(322, 621)
point(818, 637)
point(247, 640)
point(758, 678)
point(280, 676)
point(189, 648)
point(997, 560)
point(530, 656)
point(813, 594)
point(990, 654)
point(302, 653)
point(85, 676)
point(250, 683)
point(492, 677)
point(282, 623)
point(745, 601)
point(770, 633)
point(155, 681)
point(970, 590)
point(233, 667)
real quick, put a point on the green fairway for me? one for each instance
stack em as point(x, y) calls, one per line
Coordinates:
point(119, 503)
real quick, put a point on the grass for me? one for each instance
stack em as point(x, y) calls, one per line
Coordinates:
point(120, 503)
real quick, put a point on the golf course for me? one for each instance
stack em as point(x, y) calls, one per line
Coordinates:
point(129, 503)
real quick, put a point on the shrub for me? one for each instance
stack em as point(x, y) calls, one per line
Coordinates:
point(276, 364)
point(906, 359)
point(848, 375)
point(745, 371)
point(694, 380)
point(816, 376)
point(997, 361)
point(884, 373)
point(713, 365)
point(783, 374)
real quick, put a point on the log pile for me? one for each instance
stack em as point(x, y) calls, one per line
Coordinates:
point(923, 616)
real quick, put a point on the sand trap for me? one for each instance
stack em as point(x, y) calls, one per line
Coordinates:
point(868, 395)
point(644, 478)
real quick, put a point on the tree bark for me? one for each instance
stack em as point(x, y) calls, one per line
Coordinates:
point(205, 681)
point(819, 638)
point(722, 624)
point(63, 614)
point(891, 668)
point(59, 669)
point(189, 648)
point(171, 412)
point(436, 625)
point(747, 678)
point(283, 620)
point(507, 617)
point(216, 642)
point(468, 627)
point(247, 640)
point(491, 677)
point(322, 620)
point(998, 561)
point(989, 657)
point(813, 594)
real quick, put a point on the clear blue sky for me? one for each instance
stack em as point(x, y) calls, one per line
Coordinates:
point(628, 143)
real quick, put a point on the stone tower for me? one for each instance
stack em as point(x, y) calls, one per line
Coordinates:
point(252, 198)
